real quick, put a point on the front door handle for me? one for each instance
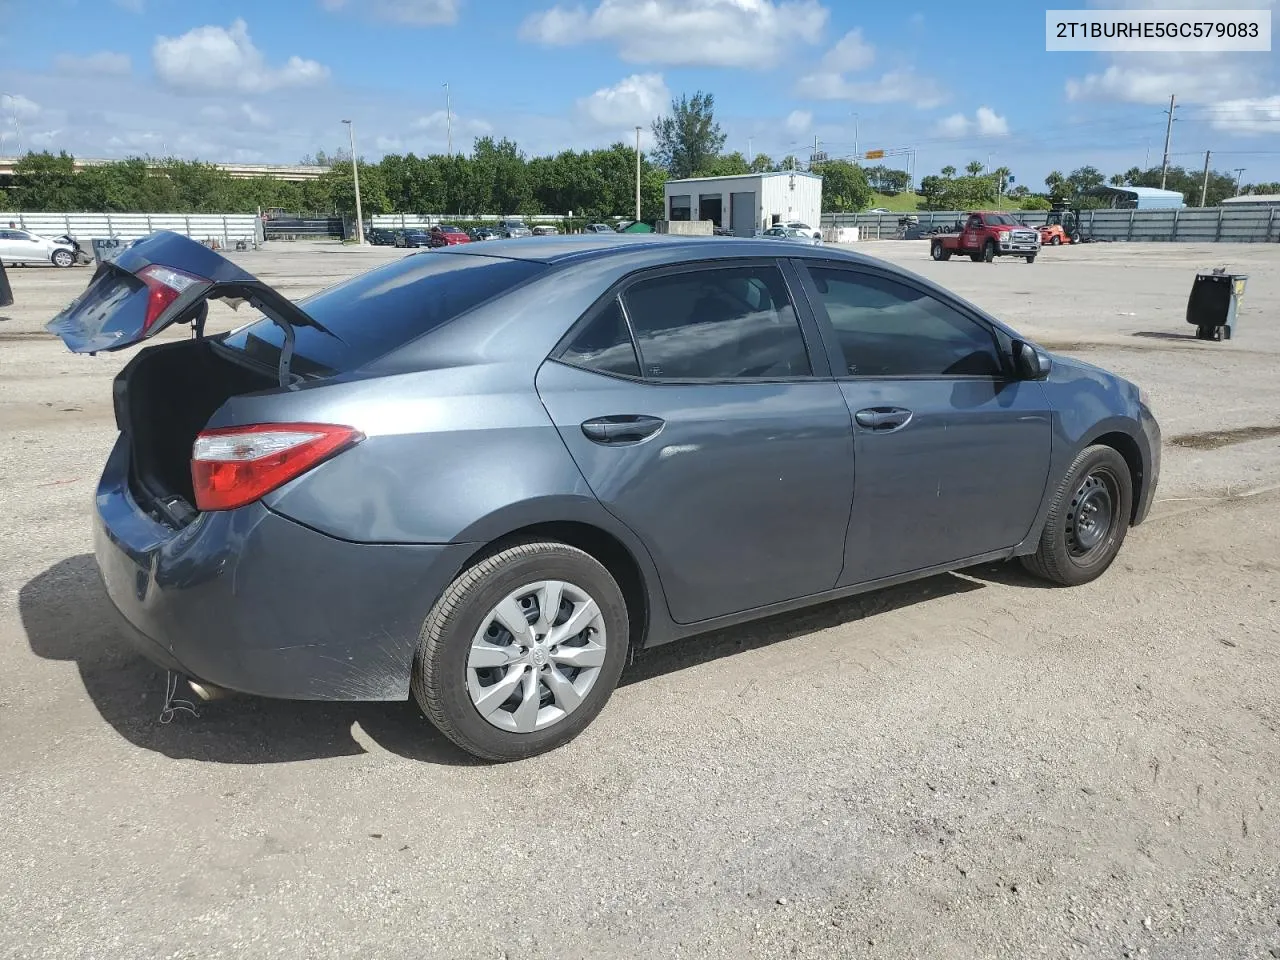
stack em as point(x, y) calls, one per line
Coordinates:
point(622, 428)
point(883, 419)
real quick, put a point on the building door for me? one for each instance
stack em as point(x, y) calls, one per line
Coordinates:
point(742, 213)
point(709, 208)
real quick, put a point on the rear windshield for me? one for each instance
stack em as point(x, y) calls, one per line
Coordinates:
point(376, 312)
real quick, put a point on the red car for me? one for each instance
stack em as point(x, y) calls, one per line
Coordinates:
point(446, 235)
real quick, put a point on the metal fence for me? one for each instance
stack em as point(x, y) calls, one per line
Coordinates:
point(225, 228)
point(403, 221)
point(298, 228)
point(1189, 225)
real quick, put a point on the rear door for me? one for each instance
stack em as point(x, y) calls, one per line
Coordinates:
point(158, 281)
point(699, 415)
point(952, 450)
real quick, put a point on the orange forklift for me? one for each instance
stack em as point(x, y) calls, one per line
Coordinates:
point(1062, 225)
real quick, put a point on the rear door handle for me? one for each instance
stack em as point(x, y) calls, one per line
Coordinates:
point(622, 428)
point(883, 419)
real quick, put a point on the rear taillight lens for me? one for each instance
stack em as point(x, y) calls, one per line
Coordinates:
point(164, 285)
point(233, 466)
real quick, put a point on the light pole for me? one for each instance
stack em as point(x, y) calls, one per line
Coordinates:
point(1239, 174)
point(355, 179)
point(855, 138)
point(448, 118)
point(637, 174)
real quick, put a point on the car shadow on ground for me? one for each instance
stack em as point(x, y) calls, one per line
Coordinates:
point(67, 617)
point(1164, 335)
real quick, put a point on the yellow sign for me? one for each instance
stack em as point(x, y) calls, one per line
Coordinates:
point(875, 154)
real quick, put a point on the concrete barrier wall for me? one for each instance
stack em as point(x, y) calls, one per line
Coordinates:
point(1190, 225)
point(686, 228)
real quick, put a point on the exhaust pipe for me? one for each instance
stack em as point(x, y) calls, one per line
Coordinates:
point(207, 691)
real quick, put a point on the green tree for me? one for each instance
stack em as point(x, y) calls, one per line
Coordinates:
point(1034, 203)
point(844, 186)
point(1056, 183)
point(689, 138)
point(762, 163)
point(726, 165)
point(973, 168)
point(373, 191)
point(948, 171)
point(42, 181)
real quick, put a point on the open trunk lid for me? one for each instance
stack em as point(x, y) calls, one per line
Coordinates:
point(158, 281)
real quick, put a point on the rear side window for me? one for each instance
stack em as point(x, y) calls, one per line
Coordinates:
point(604, 344)
point(722, 324)
point(379, 311)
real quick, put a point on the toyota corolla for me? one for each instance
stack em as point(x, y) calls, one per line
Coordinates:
point(478, 478)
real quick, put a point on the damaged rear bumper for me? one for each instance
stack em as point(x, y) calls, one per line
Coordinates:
point(253, 602)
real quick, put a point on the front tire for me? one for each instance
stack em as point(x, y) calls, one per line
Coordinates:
point(1056, 240)
point(1087, 520)
point(1031, 259)
point(63, 258)
point(522, 651)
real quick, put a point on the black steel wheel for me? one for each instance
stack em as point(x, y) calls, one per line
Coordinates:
point(989, 251)
point(1087, 520)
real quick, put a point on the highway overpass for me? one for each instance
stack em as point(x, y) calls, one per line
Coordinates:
point(242, 171)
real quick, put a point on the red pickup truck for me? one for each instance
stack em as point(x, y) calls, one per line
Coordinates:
point(985, 236)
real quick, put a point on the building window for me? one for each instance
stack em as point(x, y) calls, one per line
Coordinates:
point(681, 208)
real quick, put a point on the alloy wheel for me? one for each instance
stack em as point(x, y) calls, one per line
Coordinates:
point(536, 656)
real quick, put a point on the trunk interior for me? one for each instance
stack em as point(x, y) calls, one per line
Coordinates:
point(164, 398)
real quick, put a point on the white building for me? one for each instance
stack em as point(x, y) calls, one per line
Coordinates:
point(745, 204)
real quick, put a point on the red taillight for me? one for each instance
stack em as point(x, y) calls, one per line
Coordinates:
point(164, 285)
point(232, 466)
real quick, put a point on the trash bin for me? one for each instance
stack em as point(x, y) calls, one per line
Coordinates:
point(1212, 306)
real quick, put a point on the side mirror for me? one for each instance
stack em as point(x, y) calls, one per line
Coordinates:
point(1030, 362)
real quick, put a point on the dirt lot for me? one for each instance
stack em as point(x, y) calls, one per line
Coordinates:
point(970, 766)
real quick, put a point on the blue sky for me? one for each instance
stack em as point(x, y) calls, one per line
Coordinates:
point(270, 81)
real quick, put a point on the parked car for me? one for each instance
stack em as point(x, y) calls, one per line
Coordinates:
point(793, 234)
point(985, 236)
point(545, 230)
point(495, 482)
point(798, 225)
point(23, 247)
point(381, 237)
point(598, 228)
point(413, 237)
point(511, 228)
point(478, 234)
point(447, 235)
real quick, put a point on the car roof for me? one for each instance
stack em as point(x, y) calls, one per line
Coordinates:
point(658, 249)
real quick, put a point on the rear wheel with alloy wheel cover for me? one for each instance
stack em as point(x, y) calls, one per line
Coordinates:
point(522, 651)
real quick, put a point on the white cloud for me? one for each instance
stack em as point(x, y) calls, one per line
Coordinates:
point(415, 13)
point(16, 105)
point(984, 123)
point(903, 85)
point(798, 121)
point(720, 33)
point(103, 64)
point(634, 100)
point(850, 53)
point(465, 127)
point(212, 58)
point(1248, 115)
point(255, 116)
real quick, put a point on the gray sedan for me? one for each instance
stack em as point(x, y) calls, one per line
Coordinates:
point(481, 477)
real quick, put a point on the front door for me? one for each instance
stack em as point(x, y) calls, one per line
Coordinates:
point(951, 452)
point(711, 433)
point(972, 238)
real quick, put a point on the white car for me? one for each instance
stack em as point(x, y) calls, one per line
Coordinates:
point(23, 246)
point(797, 225)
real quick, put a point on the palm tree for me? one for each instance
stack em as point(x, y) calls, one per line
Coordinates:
point(1002, 175)
point(1117, 180)
point(973, 167)
point(948, 171)
point(1056, 183)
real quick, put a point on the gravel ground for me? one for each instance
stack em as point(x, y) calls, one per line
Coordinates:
point(969, 766)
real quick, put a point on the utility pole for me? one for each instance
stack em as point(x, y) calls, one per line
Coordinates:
point(1239, 173)
point(750, 155)
point(1204, 186)
point(1168, 132)
point(355, 178)
point(637, 174)
point(855, 137)
point(448, 118)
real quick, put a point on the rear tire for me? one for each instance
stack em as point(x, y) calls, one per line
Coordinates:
point(975, 257)
point(1056, 240)
point(989, 251)
point(938, 251)
point(450, 685)
point(1087, 520)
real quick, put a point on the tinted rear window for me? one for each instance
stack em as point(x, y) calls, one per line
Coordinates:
point(376, 312)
